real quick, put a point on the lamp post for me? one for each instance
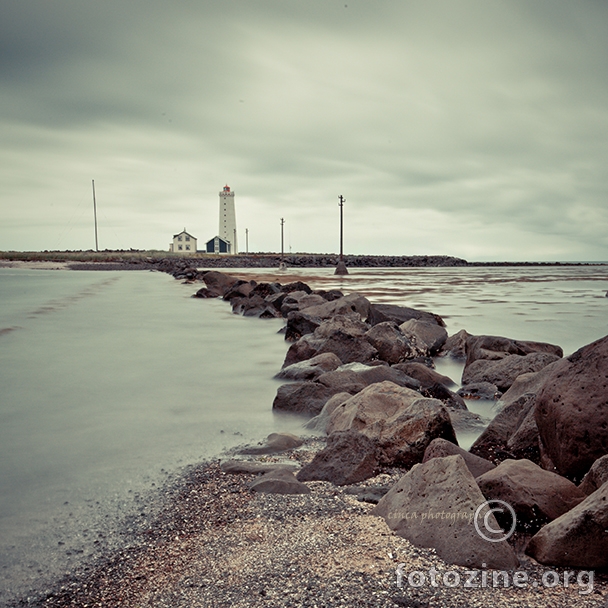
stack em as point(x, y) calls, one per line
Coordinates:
point(341, 267)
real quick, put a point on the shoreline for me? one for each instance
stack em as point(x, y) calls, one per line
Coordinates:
point(215, 543)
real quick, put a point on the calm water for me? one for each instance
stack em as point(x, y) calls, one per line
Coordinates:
point(110, 381)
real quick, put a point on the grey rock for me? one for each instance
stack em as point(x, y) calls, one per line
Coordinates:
point(497, 347)
point(596, 477)
point(577, 539)
point(426, 336)
point(424, 374)
point(310, 369)
point(400, 422)
point(320, 421)
point(456, 346)
point(492, 443)
point(279, 481)
point(391, 344)
point(349, 457)
point(218, 282)
point(379, 313)
point(352, 303)
point(247, 467)
point(299, 324)
point(433, 506)
point(274, 443)
point(439, 448)
point(504, 372)
point(572, 410)
point(536, 495)
point(306, 398)
point(479, 390)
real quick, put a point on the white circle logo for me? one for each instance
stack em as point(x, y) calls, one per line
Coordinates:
point(487, 519)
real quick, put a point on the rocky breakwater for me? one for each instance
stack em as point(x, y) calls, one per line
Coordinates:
point(362, 374)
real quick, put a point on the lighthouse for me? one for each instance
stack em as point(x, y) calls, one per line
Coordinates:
point(227, 230)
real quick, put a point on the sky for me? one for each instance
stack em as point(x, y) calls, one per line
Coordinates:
point(471, 128)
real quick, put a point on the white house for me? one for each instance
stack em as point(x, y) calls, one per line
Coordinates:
point(183, 243)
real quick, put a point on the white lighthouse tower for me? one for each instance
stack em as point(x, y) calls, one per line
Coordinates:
point(228, 219)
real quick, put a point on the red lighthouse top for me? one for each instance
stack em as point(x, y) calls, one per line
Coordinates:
point(226, 188)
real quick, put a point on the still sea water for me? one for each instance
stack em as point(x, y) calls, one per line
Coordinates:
point(111, 382)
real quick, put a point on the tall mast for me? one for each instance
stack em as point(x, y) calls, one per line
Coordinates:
point(95, 215)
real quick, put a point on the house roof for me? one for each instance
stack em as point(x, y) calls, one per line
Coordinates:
point(184, 232)
point(220, 238)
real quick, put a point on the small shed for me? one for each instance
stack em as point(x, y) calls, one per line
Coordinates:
point(183, 243)
point(217, 245)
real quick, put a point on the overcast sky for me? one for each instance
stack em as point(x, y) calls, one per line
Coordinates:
point(469, 128)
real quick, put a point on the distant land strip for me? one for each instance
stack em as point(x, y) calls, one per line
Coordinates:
point(159, 260)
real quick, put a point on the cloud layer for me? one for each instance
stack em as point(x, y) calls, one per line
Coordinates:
point(476, 129)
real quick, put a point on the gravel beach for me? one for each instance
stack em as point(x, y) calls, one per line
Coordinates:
point(215, 543)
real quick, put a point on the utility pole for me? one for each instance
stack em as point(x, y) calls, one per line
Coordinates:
point(282, 265)
point(95, 215)
point(246, 240)
point(341, 267)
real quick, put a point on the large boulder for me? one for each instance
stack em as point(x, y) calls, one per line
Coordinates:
point(218, 283)
point(577, 539)
point(266, 289)
point(397, 419)
point(444, 394)
point(352, 303)
point(301, 350)
point(254, 306)
point(492, 443)
point(306, 398)
point(276, 300)
point(355, 380)
point(291, 302)
point(497, 347)
point(296, 286)
point(240, 289)
point(424, 374)
point(526, 384)
point(596, 477)
point(349, 457)
point(310, 369)
point(319, 422)
point(456, 346)
point(524, 442)
point(426, 336)
point(299, 324)
point(379, 313)
point(572, 411)
point(391, 344)
point(348, 348)
point(536, 495)
point(439, 448)
point(434, 506)
point(350, 324)
point(503, 372)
